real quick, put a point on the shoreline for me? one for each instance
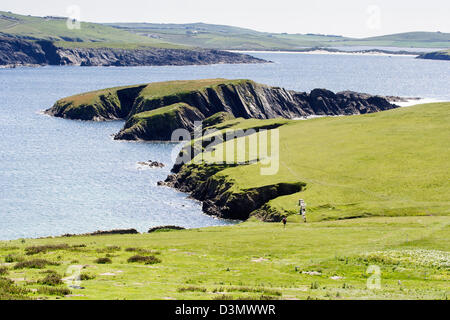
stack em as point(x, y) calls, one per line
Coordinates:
point(381, 53)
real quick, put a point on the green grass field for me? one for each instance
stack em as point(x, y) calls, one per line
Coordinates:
point(390, 163)
point(252, 260)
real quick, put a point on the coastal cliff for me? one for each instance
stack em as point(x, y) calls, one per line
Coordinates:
point(154, 110)
point(19, 52)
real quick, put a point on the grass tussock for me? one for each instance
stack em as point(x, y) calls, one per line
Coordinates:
point(109, 249)
point(10, 291)
point(52, 279)
point(223, 297)
point(104, 260)
point(261, 290)
point(191, 289)
point(10, 258)
point(54, 291)
point(3, 271)
point(34, 264)
point(142, 250)
point(144, 259)
point(45, 248)
point(86, 276)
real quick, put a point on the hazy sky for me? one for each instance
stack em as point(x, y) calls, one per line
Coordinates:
point(357, 18)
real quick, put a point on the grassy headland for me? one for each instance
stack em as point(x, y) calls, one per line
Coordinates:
point(391, 163)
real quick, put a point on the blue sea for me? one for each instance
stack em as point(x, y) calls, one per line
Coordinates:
point(60, 176)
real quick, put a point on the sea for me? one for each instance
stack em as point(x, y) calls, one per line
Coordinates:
point(62, 176)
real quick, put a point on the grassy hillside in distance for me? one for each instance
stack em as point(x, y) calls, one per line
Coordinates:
point(227, 37)
point(391, 163)
point(137, 35)
point(252, 260)
point(89, 35)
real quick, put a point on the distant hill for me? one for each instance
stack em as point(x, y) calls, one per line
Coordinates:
point(55, 29)
point(209, 36)
point(228, 37)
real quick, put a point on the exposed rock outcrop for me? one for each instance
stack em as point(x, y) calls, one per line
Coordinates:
point(152, 164)
point(165, 228)
point(155, 110)
point(20, 52)
point(221, 200)
point(436, 55)
point(246, 99)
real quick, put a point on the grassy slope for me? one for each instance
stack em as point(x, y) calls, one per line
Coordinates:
point(226, 37)
point(258, 257)
point(388, 163)
point(89, 35)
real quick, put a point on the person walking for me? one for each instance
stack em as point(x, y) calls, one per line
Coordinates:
point(284, 222)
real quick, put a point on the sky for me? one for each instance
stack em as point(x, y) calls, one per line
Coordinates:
point(354, 18)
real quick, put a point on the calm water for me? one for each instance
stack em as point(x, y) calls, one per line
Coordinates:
point(60, 176)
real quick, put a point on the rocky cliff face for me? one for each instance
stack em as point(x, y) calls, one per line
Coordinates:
point(15, 52)
point(19, 52)
point(220, 200)
point(437, 55)
point(252, 100)
point(153, 116)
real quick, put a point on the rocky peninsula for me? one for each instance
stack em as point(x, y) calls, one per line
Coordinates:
point(20, 52)
point(153, 111)
point(436, 55)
